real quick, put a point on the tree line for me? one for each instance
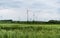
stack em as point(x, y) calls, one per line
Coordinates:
point(31, 22)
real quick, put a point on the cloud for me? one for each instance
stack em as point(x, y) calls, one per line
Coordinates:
point(17, 9)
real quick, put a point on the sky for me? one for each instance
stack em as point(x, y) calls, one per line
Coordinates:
point(38, 10)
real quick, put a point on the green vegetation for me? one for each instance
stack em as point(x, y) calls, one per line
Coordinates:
point(29, 30)
point(31, 22)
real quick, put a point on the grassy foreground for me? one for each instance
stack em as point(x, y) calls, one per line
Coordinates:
point(29, 30)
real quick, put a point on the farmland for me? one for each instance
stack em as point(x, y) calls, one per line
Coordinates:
point(29, 30)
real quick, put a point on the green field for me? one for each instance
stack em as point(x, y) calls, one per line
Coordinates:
point(29, 30)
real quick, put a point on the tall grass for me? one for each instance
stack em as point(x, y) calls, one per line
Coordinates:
point(29, 31)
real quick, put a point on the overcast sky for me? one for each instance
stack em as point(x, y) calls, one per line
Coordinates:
point(43, 10)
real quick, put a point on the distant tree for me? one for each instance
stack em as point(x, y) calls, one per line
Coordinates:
point(54, 21)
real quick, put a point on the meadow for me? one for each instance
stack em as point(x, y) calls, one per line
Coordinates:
point(29, 30)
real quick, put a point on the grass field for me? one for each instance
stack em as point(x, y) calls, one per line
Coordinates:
point(29, 30)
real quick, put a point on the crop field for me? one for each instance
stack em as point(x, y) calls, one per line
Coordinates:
point(29, 30)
